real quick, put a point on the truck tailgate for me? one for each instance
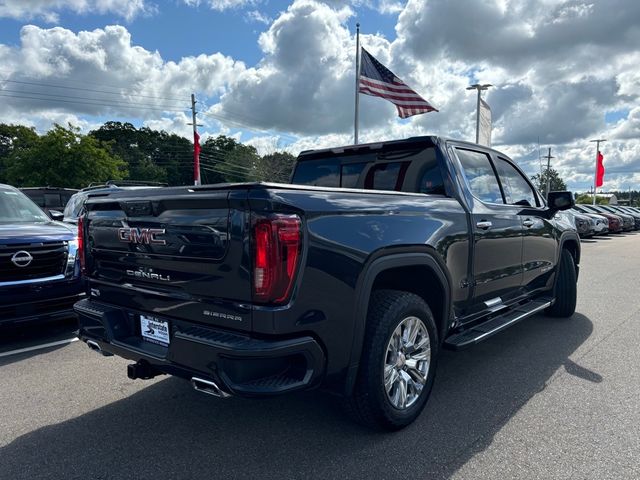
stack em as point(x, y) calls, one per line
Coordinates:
point(183, 254)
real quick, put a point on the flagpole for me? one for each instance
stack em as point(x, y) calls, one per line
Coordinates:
point(196, 153)
point(355, 121)
point(595, 171)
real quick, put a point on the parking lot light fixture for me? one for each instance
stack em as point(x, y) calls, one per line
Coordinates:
point(479, 88)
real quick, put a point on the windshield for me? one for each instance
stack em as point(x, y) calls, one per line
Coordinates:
point(15, 207)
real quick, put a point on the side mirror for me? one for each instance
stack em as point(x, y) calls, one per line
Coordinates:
point(560, 201)
point(56, 215)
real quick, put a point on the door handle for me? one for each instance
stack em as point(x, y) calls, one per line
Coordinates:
point(528, 223)
point(484, 225)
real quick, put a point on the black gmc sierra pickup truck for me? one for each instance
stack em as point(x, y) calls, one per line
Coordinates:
point(352, 277)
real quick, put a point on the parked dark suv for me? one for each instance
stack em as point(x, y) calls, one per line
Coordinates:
point(73, 208)
point(49, 198)
point(39, 272)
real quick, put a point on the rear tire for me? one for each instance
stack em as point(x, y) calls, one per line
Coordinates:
point(566, 288)
point(398, 363)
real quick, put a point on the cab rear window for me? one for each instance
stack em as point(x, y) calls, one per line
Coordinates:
point(407, 171)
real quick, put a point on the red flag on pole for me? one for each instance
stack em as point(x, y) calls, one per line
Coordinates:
point(196, 157)
point(600, 171)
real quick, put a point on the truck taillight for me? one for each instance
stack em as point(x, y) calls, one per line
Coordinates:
point(277, 242)
point(80, 251)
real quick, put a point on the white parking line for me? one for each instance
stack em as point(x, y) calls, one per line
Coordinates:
point(39, 347)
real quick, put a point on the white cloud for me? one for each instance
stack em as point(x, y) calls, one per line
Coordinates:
point(381, 6)
point(306, 77)
point(259, 17)
point(628, 128)
point(50, 9)
point(178, 124)
point(390, 6)
point(222, 5)
point(102, 73)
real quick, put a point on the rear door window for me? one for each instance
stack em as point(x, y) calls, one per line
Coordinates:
point(480, 175)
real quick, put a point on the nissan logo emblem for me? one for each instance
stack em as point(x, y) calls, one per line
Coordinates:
point(21, 259)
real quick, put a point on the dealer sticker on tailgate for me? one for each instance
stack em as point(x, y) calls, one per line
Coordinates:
point(154, 330)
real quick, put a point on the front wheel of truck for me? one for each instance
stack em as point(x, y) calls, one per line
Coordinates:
point(398, 363)
point(566, 288)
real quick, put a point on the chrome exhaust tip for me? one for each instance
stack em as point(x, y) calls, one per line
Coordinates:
point(208, 387)
point(96, 348)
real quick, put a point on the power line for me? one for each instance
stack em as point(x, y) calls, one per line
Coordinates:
point(218, 169)
point(231, 168)
point(234, 118)
point(240, 124)
point(222, 172)
point(55, 95)
point(207, 159)
point(240, 120)
point(78, 102)
point(86, 89)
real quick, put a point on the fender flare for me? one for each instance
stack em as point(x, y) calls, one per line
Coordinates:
point(564, 238)
point(363, 295)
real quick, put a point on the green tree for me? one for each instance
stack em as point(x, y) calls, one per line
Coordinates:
point(150, 155)
point(556, 184)
point(587, 199)
point(275, 167)
point(13, 138)
point(224, 159)
point(63, 157)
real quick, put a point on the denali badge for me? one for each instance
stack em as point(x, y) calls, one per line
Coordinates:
point(21, 259)
point(142, 235)
point(149, 274)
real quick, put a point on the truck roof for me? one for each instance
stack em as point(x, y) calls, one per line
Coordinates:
point(371, 146)
point(425, 140)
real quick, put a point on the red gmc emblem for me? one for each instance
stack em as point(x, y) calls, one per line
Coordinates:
point(146, 236)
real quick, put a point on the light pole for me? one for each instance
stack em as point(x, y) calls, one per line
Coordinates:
point(595, 173)
point(479, 88)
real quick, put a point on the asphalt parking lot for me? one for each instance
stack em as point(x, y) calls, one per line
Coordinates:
point(546, 399)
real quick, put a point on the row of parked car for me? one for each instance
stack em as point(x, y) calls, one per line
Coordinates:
point(591, 220)
point(39, 266)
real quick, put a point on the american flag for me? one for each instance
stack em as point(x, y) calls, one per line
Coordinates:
point(378, 81)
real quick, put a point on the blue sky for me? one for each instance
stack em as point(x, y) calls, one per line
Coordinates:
point(177, 30)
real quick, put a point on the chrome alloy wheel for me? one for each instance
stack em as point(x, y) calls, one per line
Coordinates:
point(407, 362)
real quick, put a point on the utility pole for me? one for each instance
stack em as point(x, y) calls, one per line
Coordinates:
point(548, 157)
point(479, 88)
point(196, 142)
point(595, 172)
